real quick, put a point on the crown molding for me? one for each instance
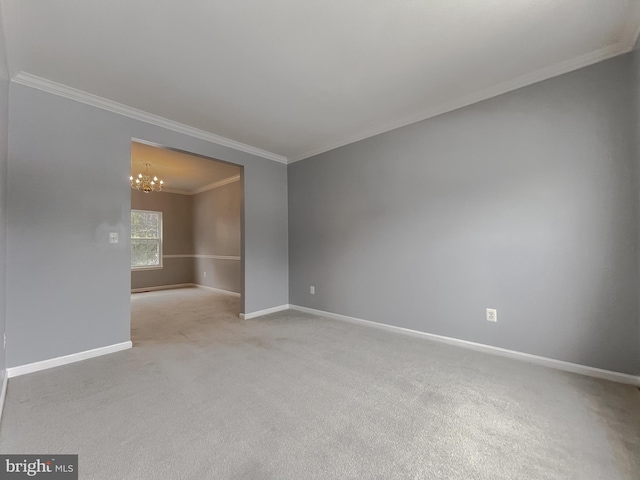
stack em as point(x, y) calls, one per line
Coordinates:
point(631, 30)
point(205, 188)
point(49, 86)
point(219, 183)
point(624, 46)
point(174, 190)
point(630, 34)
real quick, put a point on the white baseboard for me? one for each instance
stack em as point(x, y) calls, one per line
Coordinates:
point(162, 287)
point(217, 290)
point(3, 393)
point(66, 359)
point(182, 285)
point(266, 311)
point(503, 352)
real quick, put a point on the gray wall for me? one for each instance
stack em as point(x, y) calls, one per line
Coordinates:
point(217, 229)
point(526, 202)
point(4, 126)
point(177, 238)
point(265, 220)
point(68, 289)
point(636, 83)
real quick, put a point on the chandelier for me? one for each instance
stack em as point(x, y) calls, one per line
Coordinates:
point(145, 182)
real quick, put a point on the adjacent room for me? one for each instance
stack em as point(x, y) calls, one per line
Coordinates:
point(320, 240)
point(186, 233)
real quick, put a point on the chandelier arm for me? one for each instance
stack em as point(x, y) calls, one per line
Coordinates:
point(146, 182)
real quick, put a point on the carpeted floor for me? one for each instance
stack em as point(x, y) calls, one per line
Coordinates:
point(205, 395)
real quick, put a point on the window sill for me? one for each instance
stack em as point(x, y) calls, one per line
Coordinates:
point(137, 269)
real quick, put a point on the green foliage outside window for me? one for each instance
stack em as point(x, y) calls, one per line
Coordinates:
point(146, 238)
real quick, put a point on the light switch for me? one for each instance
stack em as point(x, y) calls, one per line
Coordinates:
point(113, 237)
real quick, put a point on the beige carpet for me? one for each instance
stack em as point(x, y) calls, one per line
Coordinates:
point(205, 395)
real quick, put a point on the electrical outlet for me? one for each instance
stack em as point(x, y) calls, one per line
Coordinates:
point(114, 237)
point(492, 315)
point(205, 274)
point(312, 290)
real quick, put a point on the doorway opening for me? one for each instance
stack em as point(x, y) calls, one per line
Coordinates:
point(187, 237)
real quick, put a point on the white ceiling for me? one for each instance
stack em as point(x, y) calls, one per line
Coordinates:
point(182, 172)
point(296, 78)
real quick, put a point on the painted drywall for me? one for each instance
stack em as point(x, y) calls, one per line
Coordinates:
point(263, 227)
point(635, 59)
point(177, 238)
point(4, 127)
point(68, 289)
point(217, 232)
point(526, 203)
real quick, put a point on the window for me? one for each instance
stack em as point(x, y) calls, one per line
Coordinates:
point(146, 239)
